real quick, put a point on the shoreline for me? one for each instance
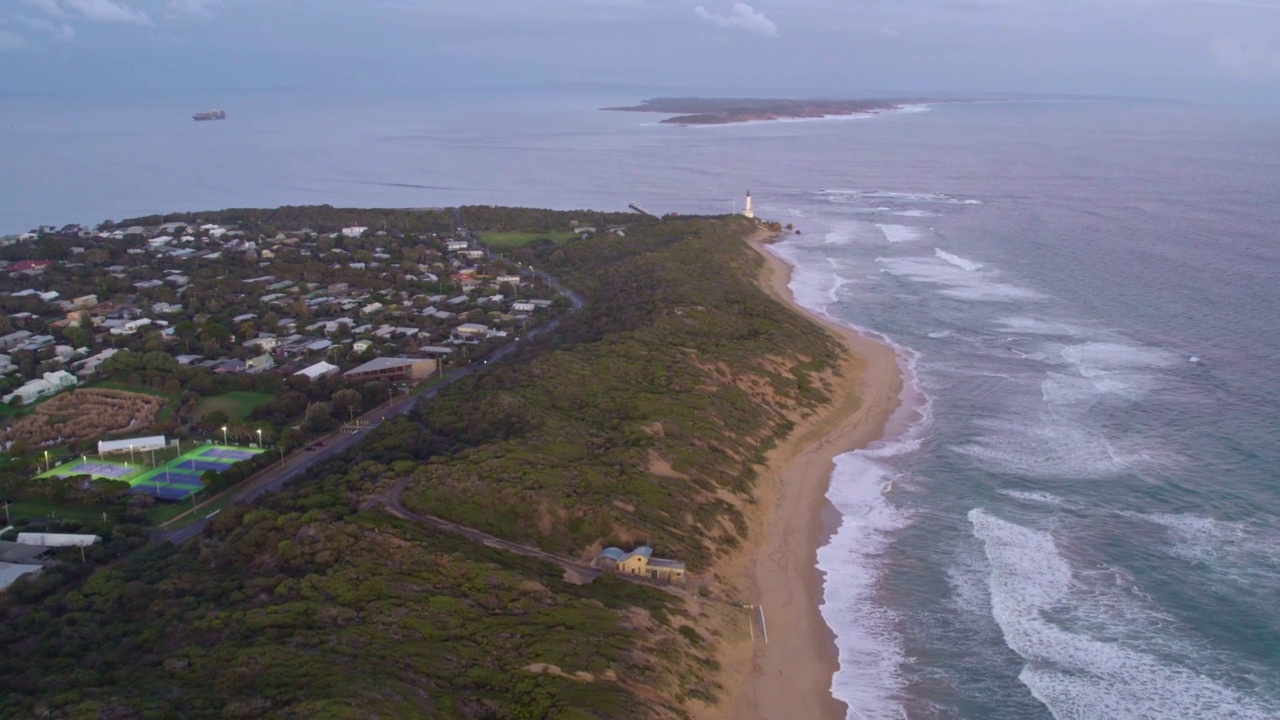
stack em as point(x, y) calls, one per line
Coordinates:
point(791, 675)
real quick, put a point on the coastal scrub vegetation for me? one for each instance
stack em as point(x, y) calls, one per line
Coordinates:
point(640, 419)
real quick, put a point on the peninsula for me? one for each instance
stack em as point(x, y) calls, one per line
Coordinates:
point(725, 111)
point(600, 503)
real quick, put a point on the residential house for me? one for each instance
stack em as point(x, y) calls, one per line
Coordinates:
point(260, 364)
point(47, 386)
point(13, 339)
point(28, 267)
point(265, 342)
point(354, 232)
point(319, 370)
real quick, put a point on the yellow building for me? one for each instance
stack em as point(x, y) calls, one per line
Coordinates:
point(641, 562)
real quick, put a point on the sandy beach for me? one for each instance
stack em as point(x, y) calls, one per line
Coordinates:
point(790, 676)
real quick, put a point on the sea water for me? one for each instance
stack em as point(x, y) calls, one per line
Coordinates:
point(1074, 514)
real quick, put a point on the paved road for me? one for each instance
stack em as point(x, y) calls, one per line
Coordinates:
point(274, 478)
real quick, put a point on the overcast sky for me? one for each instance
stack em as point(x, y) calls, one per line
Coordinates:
point(1192, 49)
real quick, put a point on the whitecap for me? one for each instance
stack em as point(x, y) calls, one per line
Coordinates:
point(1085, 657)
point(962, 263)
point(1031, 496)
point(900, 233)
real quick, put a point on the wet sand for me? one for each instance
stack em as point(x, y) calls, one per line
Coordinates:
point(789, 677)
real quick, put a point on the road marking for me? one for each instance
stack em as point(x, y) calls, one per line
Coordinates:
point(763, 627)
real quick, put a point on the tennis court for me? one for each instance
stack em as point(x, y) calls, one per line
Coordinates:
point(183, 476)
point(200, 466)
point(95, 468)
point(232, 454)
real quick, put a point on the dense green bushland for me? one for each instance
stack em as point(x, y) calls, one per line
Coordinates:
point(638, 419)
point(678, 360)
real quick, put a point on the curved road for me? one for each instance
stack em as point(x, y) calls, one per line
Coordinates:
point(294, 466)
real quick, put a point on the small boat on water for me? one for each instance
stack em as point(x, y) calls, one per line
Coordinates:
point(210, 115)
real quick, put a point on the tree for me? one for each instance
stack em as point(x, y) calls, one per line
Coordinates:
point(215, 419)
point(346, 403)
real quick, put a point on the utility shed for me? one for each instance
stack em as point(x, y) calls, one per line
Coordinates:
point(10, 572)
point(57, 539)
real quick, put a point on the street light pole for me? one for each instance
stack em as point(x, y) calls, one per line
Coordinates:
point(259, 438)
point(224, 434)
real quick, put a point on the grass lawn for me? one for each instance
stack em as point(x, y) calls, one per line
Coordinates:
point(512, 240)
point(222, 501)
point(237, 405)
point(163, 511)
point(39, 509)
point(113, 385)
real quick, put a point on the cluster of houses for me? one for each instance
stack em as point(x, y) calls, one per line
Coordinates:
point(443, 295)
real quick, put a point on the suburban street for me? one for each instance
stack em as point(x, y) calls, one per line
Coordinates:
point(296, 465)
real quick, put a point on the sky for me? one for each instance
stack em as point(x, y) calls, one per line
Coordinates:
point(1202, 50)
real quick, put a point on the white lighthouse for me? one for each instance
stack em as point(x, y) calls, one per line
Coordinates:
point(747, 211)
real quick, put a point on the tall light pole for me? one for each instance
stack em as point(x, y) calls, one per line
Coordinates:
point(224, 434)
point(259, 438)
point(46, 461)
point(130, 454)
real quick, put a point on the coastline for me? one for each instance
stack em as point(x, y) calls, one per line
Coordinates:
point(791, 675)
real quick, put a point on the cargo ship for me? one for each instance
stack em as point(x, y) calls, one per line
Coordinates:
point(210, 115)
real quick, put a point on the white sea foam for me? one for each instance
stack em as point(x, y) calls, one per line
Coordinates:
point(956, 281)
point(870, 650)
point(1235, 552)
point(1052, 445)
point(1084, 659)
point(1039, 498)
point(901, 197)
point(1040, 326)
point(915, 213)
point(1097, 369)
point(900, 233)
point(962, 263)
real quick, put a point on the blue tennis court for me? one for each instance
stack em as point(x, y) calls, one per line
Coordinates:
point(228, 453)
point(202, 465)
point(167, 492)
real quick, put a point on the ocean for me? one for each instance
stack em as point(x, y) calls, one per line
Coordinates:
point(1074, 514)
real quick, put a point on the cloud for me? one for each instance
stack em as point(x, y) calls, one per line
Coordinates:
point(49, 7)
point(61, 31)
point(742, 17)
point(199, 8)
point(11, 41)
point(889, 32)
point(1244, 58)
point(107, 11)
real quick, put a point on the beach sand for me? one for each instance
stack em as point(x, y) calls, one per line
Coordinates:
point(789, 677)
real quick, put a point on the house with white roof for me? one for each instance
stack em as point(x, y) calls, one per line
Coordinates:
point(47, 386)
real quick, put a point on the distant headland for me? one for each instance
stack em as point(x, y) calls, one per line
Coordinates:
point(724, 111)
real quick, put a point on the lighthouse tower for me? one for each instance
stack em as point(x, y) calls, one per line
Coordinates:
point(747, 211)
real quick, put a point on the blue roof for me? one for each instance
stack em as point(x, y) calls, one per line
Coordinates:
point(620, 555)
